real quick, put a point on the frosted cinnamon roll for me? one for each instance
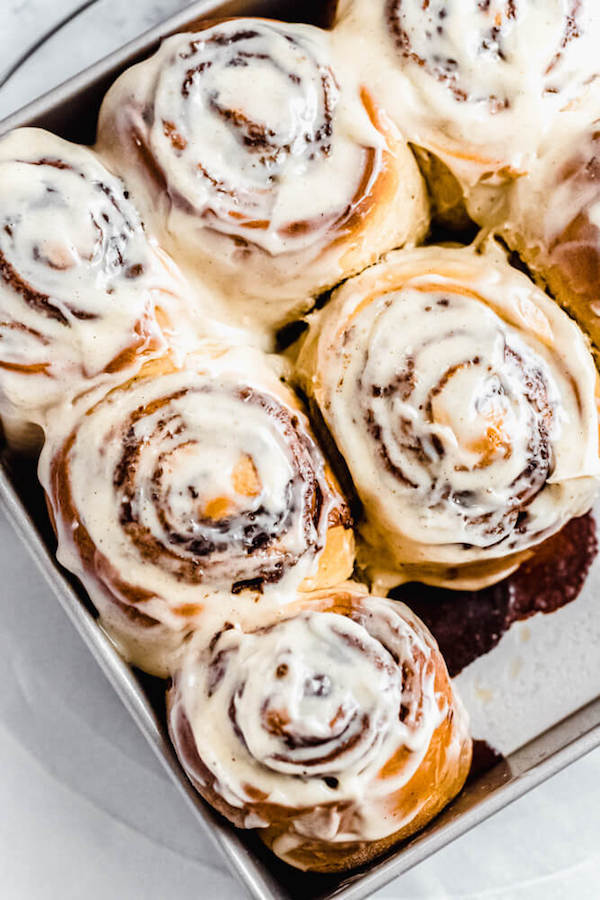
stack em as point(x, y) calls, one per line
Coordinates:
point(553, 220)
point(477, 83)
point(463, 401)
point(83, 295)
point(270, 176)
point(334, 731)
point(186, 497)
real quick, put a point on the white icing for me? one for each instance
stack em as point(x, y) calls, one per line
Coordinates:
point(308, 712)
point(72, 234)
point(79, 281)
point(188, 499)
point(561, 188)
point(280, 181)
point(444, 377)
point(552, 218)
point(486, 80)
point(263, 157)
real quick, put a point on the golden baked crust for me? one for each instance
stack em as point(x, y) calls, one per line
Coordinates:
point(203, 527)
point(479, 85)
point(85, 299)
point(550, 220)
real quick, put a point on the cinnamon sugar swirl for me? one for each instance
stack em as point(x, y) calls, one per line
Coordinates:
point(262, 169)
point(333, 730)
point(83, 295)
point(477, 82)
point(187, 497)
point(463, 401)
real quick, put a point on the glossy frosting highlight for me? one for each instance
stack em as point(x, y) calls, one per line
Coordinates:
point(552, 219)
point(477, 83)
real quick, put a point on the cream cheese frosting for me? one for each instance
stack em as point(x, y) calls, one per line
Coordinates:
point(268, 175)
point(479, 84)
point(83, 293)
point(201, 490)
point(552, 218)
point(463, 401)
point(188, 492)
point(324, 714)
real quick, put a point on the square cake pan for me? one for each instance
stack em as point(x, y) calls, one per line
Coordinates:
point(71, 111)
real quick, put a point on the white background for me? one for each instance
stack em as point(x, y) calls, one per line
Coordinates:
point(85, 809)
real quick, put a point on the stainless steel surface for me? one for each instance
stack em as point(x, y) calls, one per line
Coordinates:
point(71, 111)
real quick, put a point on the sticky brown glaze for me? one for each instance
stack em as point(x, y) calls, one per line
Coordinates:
point(468, 624)
point(485, 759)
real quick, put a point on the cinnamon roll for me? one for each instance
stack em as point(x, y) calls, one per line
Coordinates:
point(334, 729)
point(261, 169)
point(477, 82)
point(83, 295)
point(189, 496)
point(463, 401)
point(553, 221)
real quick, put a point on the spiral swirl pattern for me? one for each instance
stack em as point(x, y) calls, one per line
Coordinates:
point(262, 160)
point(329, 713)
point(444, 38)
point(232, 162)
point(78, 279)
point(205, 491)
point(233, 157)
point(477, 82)
point(444, 380)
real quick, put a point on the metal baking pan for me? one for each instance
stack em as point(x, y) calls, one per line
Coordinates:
point(71, 111)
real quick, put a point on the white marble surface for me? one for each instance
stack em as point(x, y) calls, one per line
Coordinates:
point(86, 810)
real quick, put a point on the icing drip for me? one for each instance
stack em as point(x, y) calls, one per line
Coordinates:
point(468, 624)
